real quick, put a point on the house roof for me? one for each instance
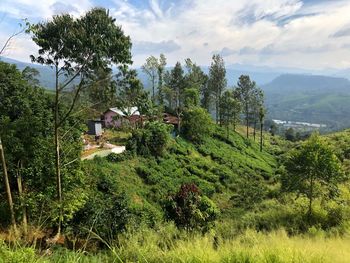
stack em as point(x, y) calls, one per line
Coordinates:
point(125, 112)
point(170, 119)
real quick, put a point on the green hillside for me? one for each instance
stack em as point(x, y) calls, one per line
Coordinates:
point(219, 167)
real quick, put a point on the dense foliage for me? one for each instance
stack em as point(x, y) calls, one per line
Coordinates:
point(190, 210)
point(152, 140)
point(197, 124)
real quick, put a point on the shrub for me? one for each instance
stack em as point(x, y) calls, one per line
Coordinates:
point(190, 210)
point(114, 157)
point(106, 216)
point(197, 124)
point(152, 140)
point(106, 212)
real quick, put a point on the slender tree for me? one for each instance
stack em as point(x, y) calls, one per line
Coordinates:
point(130, 92)
point(101, 89)
point(177, 85)
point(257, 101)
point(161, 71)
point(3, 48)
point(217, 82)
point(245, 91)
point(74, 48)
point(262, 113)
point(7, 186)
point(151, 68)
point(230, 109)
point(195, 77)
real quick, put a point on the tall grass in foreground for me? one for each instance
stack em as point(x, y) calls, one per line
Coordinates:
point(150, 246)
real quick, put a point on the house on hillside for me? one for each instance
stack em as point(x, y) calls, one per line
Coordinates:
point(115, 117)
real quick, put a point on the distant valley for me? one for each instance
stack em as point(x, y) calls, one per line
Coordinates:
point(309, 98)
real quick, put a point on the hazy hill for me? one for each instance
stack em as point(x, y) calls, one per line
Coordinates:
point(316, 99)
point(260, 75)
point(296, 97)
point(46, 73)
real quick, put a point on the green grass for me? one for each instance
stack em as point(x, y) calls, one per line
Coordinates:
point(150, 246)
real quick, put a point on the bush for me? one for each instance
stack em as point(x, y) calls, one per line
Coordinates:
point(106, 216)
point(115, 158)
point(191, 211)
point(106, 212)
point(197, 124)
point(152, 140)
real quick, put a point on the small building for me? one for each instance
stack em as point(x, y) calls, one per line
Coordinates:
point(95, 127)
point(171, 120)
point(115, 117)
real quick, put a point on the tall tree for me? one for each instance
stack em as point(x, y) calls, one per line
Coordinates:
point(101, 89)
point(230, 109)
point(161, 71)
point(130, 91)
point(3, 48)
point(245, 91)
point(262, 113)
point(217, 81)
point(312, 168)
point(257, 102)
point(177, 85)
point(7, 185)
point(151, 68)
point(75, 47)
point(195, 77)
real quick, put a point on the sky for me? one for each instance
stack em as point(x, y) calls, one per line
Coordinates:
point(309, 34)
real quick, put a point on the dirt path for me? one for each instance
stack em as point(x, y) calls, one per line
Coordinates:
point(105, 152)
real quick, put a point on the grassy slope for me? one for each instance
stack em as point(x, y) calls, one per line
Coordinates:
point(216, 166)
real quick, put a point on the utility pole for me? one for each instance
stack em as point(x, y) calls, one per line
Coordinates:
point(7, 187)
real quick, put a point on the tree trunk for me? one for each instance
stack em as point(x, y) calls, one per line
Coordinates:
point(311, 192)
point(217, 112)
point(57, 157)
point(20, 193)
point(227, 130)
point(247, 120)
point(234, 122)
point(7, 187)
point(261, 136)
point(254, 132)
point(153, 91)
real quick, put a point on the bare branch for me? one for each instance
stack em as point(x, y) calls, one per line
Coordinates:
point(76, 95)
point(7, 43)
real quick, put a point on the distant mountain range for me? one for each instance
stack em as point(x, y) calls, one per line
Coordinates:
point(310, 98)
point(291, 94)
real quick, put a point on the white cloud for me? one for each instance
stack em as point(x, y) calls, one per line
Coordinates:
point(41, 8)
point(271, 32)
